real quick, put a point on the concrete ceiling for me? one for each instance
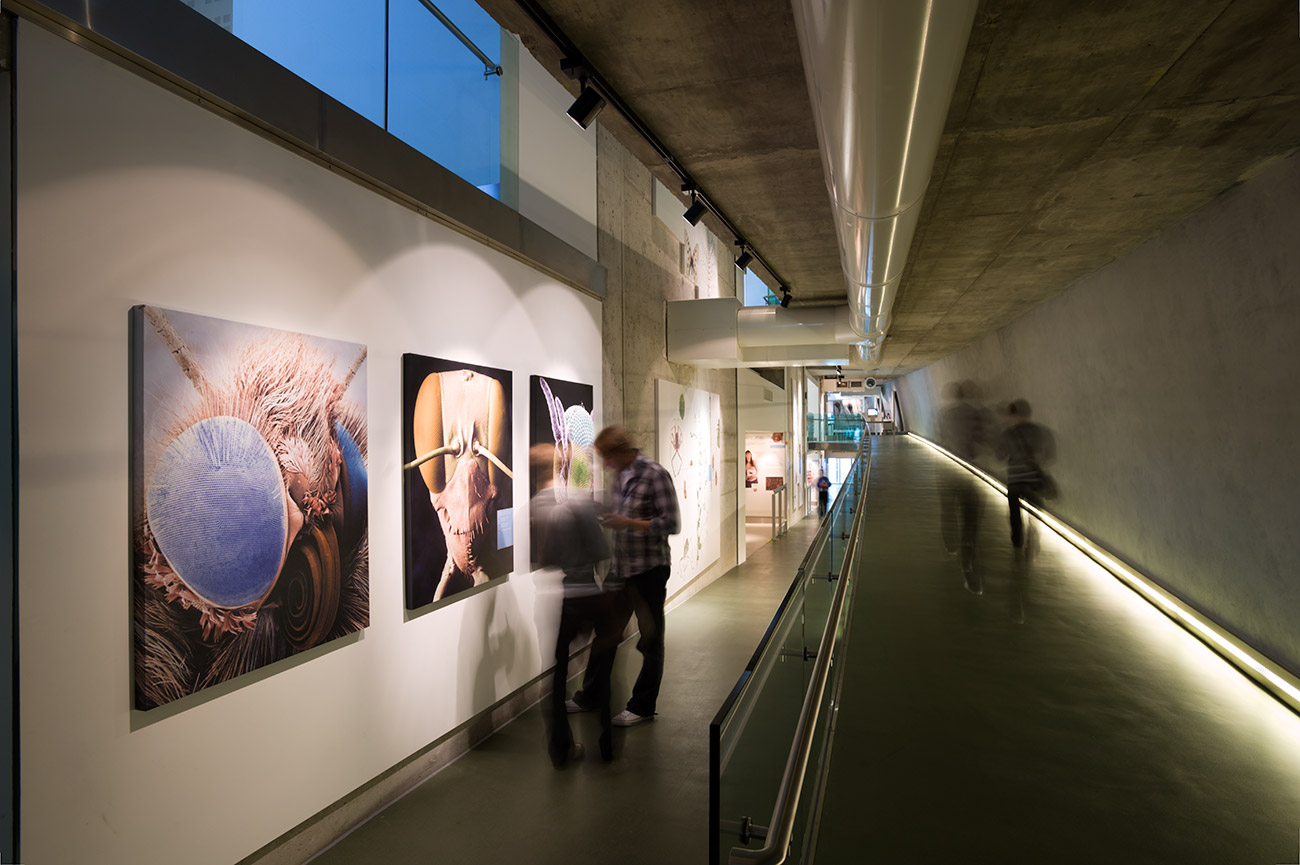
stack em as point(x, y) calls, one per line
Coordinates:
point(1077, 131)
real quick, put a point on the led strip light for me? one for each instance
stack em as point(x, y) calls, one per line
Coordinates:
point(1277, 681)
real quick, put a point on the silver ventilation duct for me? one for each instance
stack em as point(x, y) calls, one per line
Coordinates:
point(881, 75)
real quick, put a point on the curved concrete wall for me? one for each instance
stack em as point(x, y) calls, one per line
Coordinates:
point(1169, 379)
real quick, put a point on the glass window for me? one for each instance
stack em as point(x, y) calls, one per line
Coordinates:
point(439, 100)
point(337, 46)
point(393, 62)
point(756, 291)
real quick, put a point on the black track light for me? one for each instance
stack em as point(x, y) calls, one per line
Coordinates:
point(745, 257)
point(695, 212)
point(785, 297)
point(585, 108)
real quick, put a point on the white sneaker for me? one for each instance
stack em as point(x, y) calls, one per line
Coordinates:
point(572, 706)
point(628, 718)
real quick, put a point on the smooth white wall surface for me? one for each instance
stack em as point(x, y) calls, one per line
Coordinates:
point(757, 413)
point(557, 160)
point(1169, 379)
point(128, 194)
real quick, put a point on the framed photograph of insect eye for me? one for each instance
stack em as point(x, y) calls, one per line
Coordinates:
point(249, 498)
point(560, 415)
point(457, 479)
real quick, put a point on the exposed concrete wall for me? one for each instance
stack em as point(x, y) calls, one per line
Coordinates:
point(1169, 378)
point(644, 270)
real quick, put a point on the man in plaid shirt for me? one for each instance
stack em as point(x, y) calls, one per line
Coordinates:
point(643, 515)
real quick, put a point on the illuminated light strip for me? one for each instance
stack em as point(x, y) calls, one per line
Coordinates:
point(1271, 677)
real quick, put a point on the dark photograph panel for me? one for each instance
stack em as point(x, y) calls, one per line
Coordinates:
point(457, 479)
point(560, 415)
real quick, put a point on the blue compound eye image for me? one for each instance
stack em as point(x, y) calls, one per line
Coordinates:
point(216, 506)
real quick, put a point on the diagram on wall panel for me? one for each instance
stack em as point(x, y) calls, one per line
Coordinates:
point(249, 498)
point(690, 447)
point(457, 479)
point(701, 260)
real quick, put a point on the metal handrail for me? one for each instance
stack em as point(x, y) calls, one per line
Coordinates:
point(779, 505)
point(490, 66)
point(804, 567)
point(780, 828)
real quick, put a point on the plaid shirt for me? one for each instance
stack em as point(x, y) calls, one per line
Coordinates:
point(646, 493)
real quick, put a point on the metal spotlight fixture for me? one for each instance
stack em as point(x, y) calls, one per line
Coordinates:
point(696, 211)
point(745, 257)
point(785, 297)
point(585, 108)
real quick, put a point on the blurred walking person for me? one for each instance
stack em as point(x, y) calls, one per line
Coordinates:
point(1027, 447)
point(567, 535)
point(964, 429)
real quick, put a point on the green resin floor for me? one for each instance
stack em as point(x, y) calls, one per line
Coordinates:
point(1055, 719)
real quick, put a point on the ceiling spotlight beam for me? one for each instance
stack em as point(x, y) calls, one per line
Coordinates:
point(576, 66)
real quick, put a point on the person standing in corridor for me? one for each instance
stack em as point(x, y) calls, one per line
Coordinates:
point(643, 514)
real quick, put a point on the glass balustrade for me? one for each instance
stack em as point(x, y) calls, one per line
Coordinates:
point(752, 735)
point(835, 428)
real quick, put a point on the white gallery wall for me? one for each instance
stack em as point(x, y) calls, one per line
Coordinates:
point(760, 407)
point(557, 158)
point(128, 194)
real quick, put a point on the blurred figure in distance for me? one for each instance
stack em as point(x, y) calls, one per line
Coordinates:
point(964, 429)
point(1026, 447)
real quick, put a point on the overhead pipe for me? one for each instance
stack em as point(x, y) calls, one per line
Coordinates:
point(880, 74)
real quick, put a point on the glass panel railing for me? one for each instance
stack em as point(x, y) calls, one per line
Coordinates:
point(835, 428)
point(768, 709)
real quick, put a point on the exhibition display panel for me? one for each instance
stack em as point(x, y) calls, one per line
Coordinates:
point(690, 447)
point(249, 498)
point(560, 415)
point(457, 478)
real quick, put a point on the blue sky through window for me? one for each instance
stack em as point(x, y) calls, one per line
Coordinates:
point(393, 62)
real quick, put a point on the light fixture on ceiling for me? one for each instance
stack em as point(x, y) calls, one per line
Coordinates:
point(596, 92)
point(585, 108)
point(785, 297)
point(745, 257)
point(696, 211)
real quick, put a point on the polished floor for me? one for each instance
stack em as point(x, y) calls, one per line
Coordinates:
point(503, 802)
point(1054, 718)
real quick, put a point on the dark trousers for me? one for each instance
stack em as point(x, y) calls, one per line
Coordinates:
point(645, 595)
point(823, 499)
point(1016, 492)
point(647, 592)
point(961, 519)
point(599, 613)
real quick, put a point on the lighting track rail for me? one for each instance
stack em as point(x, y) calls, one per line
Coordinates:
point(576, 65)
